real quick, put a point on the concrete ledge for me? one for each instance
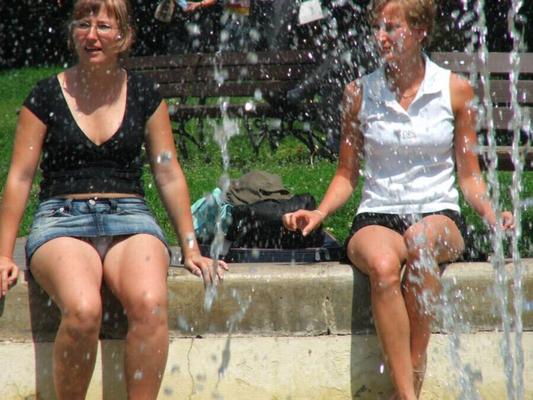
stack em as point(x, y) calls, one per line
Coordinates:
point(299, 331)
point(270, 299)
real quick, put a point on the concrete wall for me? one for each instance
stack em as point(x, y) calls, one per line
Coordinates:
point(276, 331)
point(257, 367)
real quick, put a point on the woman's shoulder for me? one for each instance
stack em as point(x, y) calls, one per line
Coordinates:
point(144, 92)
point(44, 90)
point(47, 84)
point(353, 89)
point(459, 83)
point(461, 92)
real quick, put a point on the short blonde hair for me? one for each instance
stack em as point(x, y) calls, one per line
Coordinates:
point(120, 10)
point(419, 14)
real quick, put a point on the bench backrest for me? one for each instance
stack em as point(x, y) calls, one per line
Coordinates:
point(225, 74)
point(499, 68)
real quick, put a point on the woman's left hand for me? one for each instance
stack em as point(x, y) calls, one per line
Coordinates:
point(507, 220)
point(192, 7)
point(204, 267)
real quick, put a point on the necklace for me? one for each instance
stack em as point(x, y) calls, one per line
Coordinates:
point(407, 96)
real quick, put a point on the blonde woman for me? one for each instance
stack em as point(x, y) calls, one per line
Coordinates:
point(86, 128)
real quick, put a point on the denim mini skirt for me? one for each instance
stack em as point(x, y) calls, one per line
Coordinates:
point(90, 218)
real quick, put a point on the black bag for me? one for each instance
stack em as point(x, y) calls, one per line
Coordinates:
point(259, 225)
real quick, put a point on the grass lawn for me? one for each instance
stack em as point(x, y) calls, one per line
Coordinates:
point(290, 161)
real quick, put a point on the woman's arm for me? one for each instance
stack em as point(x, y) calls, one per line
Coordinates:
point(174, 192)
point(347, 174)
point(27, 147)
point(191, 7)
point(469, 174)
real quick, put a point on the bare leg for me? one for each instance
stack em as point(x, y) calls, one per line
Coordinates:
point(435, 239)
point(70, 271)
point(379, 252)
point(135, 268)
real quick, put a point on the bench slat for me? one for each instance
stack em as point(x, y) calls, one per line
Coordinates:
point(503, 117)
point(220, 59)
point(184, 111)
point(208, 74)
point(500, 92)
point(211, 89)
point(497, 63)
point(505, 161)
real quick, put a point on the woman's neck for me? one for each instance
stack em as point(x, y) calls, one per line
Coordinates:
point(406, 75)
point(97, 77)
point(94, 86)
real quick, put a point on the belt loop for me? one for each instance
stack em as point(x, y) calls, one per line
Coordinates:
point(114, 204)
point(68, 204)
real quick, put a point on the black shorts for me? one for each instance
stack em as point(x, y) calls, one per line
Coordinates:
point(401, 222)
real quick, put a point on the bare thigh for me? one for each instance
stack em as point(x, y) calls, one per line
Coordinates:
point(136, 267)
point(376, 242)
point(69, 270)
point(437, 233)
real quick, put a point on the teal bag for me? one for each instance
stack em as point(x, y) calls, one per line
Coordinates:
point(208, 214)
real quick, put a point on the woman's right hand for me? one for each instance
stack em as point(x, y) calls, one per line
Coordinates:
point(192, 7)
point(9, 273)
point(303, 220)
point(205, 267)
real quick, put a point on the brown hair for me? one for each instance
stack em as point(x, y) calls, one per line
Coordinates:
point(419, 14)
point(120, 10)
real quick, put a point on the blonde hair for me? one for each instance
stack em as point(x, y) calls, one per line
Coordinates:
point(420, 14)
point(120, 10)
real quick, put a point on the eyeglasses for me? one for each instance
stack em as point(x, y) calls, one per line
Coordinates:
point(389, 29)
point(101, 27)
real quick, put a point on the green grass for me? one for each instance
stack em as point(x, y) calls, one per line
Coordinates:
point(290, 161)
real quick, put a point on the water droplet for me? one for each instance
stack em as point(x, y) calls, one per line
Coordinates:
point(190, 240)
point(175, 369)
point(255, 253)
point(164, 157)
point(168, 391)
point(249, 106)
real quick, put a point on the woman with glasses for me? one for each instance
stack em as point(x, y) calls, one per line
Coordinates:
point(413, 124)
point(87, 128)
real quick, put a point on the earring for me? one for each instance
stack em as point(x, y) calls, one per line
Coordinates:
point(119, 36)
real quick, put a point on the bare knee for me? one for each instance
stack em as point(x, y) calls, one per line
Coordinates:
point(384, 272)
point(83, 319)
point(418, 241)
point(149, 309)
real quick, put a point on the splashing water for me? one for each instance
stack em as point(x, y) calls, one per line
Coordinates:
point(513, 359)
point(164, 157)
point(222, 134)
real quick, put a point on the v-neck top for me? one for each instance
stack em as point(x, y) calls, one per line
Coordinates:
point(409, 157)
point(71, 163)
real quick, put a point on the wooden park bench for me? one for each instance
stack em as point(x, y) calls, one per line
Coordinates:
point(499, 77)
point(194, 84)
point(207, 86)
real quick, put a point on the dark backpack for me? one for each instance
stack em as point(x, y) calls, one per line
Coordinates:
point(259, 225)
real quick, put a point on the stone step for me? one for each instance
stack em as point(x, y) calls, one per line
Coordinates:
point(276, 299)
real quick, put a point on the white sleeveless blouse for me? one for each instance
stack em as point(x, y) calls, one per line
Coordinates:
point(409, 155)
